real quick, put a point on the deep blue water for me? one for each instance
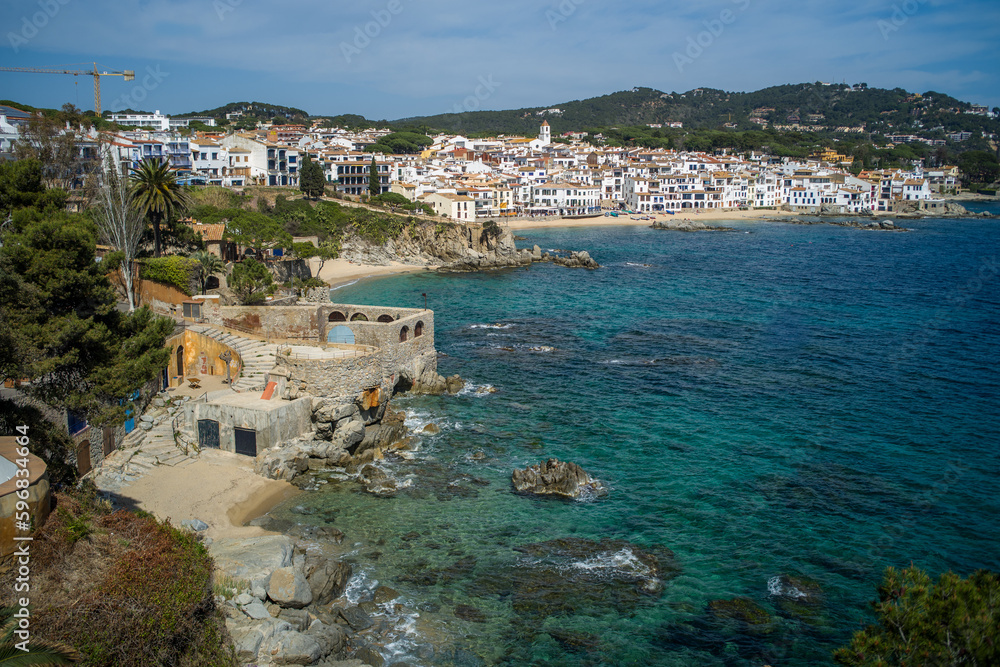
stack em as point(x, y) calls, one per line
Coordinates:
point(812, 401)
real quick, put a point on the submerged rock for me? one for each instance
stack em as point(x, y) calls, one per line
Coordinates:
point(556, 478)
point(740, 609)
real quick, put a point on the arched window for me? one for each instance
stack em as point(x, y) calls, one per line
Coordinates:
point(180, 360)
point(418, 330)
point(359, 317)
point(337, 316)
point(385, 319)
point(404, 334)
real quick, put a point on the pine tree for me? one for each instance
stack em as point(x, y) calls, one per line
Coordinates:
point(312, 182)
point(374, 184)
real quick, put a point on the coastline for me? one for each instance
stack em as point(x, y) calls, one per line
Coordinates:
point(340, 272)
point(624, 219)
point(218, 488)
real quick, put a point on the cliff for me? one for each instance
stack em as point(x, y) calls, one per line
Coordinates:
point(468, 246)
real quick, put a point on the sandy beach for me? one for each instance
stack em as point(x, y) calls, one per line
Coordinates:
point(219, 488)
point(337, 272)
point(624, 219)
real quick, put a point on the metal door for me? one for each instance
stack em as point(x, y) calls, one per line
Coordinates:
point(246, 442)
point(208, 434)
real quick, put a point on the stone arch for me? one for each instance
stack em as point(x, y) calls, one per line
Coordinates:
point(359, 317)
point(341, 334)
point(418, 329)
point(336, 316)
point(404, 334)
point(385, 319)
point(212, 282)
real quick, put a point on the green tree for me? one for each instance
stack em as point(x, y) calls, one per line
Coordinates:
point(22, 186)
point(952, 622)
point(250, 280)
point(312, 182)
point(158, 195)
point(374, 183)
point(208, 265)
point(978, 167)
point(256, 230)
point(70, 340)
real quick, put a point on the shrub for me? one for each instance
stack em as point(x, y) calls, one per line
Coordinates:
point(133, 591)
point(175, 270)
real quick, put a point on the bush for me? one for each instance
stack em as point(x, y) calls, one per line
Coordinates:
point(133, 591)
point(181, 272)
point(251, 281)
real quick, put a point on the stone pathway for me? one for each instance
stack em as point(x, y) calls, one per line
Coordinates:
point(258, 356)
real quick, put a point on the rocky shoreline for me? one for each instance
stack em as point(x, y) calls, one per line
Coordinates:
point(688, 226)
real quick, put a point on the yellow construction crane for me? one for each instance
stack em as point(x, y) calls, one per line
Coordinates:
point(128, 74)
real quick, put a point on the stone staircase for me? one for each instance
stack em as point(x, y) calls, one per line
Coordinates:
point(258, 357)
point(151, 444)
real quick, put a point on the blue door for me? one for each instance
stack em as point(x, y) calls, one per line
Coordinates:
point(340, 334)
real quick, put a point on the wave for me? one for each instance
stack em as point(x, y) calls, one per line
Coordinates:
point(617, 563)
point(492, 326)
point(353, 282)
point(780, 587)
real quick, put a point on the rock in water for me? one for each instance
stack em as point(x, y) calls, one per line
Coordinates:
point(556, 478)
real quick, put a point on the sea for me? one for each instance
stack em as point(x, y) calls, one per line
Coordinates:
point(777, 414)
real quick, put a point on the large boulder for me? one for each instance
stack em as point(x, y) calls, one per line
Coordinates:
point(294, 648)
point(252, 559)
point(556, 478)
point(327, 578)
point(288, 587)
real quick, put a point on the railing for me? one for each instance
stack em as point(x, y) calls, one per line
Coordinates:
point(285, 352)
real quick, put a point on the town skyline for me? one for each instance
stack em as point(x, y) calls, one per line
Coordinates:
point(390, 60)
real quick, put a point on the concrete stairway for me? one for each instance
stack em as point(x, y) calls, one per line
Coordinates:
point(258, 357)
point(142, 450)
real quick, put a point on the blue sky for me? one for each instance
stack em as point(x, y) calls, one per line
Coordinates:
point(397, 58)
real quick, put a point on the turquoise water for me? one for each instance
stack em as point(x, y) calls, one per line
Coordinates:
point(811, 401)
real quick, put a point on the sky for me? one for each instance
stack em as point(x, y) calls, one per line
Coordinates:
point(389, 59)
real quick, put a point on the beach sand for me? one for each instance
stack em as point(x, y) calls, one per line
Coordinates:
point(219, 488)
point(338, 272)
point(706, 216)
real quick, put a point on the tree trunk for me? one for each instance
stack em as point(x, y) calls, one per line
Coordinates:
point(129, 283)
point(155, 219)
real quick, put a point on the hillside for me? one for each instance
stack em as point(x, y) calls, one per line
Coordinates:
point(834, 105)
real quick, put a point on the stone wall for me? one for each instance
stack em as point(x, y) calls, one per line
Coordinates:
point(335, 377)
point(270, 322)
point(278, 422)
point(201, 357)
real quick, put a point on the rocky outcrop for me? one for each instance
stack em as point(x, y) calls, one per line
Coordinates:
point(470, 246)
point(574, 259)
point(556, 478)
point(687, 226)
point(421, 377)
point(866, 223)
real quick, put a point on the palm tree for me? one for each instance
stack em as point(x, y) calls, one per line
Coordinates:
point(157, 194)
point(40, 652)
point(210, 265)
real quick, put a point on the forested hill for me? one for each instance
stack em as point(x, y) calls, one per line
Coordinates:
point(838, 105)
